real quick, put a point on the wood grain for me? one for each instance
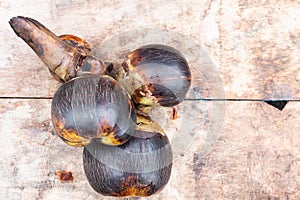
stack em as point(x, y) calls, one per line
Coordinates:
point(255, 154)
point(235, 42)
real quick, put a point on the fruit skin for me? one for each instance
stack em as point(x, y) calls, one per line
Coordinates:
point(140, 167)
point(93, 107)
point(155, 74)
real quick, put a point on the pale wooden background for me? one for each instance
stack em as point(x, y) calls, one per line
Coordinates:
point(255, 47)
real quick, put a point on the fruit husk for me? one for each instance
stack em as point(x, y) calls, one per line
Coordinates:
point(93, 107)
point(140, 167)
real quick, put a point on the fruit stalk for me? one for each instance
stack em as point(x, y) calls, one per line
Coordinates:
point(60, 57)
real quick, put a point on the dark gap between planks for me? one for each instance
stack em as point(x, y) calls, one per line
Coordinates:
point(198, 99)
point(279, 104)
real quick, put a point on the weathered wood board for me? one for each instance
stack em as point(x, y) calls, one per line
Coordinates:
point(255, 154)
point(238, 50)
point(254, 47)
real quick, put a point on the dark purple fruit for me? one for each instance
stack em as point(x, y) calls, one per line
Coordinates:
point(93, 107)
point(155, 74)
point(140, 167)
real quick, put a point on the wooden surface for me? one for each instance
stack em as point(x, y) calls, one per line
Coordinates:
point(239, 51)
point(254, 46)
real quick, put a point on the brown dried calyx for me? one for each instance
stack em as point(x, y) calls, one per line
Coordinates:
point(66, 56)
